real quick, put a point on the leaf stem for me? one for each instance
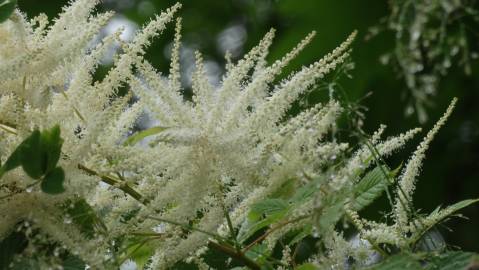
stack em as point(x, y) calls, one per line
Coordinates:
point(240, 256)
point(116, 183)
point(270, 231)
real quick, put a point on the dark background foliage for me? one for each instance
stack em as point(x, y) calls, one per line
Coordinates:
point(451, 170)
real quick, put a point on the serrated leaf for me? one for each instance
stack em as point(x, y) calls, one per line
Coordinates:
point(140, 252)
point(84, 217)
point(398, 262)
point(73, 263)
point(269, 207)
point(52, 183)
point(331, 214)
point(454, 260)
point(6, 9)
point(303, 193)
point(138, 136)
point(261, 215)
point(371, 186)
point(250, 227)
point(437, 216)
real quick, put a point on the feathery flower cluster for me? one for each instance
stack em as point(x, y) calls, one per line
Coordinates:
point(209, 159)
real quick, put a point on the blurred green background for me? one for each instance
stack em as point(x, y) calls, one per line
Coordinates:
point(451, 170)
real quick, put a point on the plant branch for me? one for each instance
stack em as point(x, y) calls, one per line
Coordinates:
point(116, 183)
point(240, 256)
point(270, 231)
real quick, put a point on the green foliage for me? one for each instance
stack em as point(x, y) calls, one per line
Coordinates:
point(52, 183)
point(437, 216)
point(140, 135)
point(6, 9)
point(139, 250)
point(261, 215)
point(452, 260)
point(73, 263)
point(38, 155)
point(331, 212)
point(9, 246)
point(84, 217)
point(398, 261)
point(371, 186)
point(273, 210)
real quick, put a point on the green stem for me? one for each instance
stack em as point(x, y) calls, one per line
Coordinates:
point(270, 231)
point(22, 190)
point(116, 183)
point(190, 228)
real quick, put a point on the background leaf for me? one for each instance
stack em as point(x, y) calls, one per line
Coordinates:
point(6, 9)
point(13, 244)
point(84, 217)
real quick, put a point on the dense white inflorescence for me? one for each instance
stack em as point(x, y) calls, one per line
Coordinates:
point(216, 154)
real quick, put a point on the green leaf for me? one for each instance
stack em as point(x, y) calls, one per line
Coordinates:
point(73, 263)
point(332, 210)
point(307, 266)
point(25, 264)
point(135, 138)
point(259, 253)
point(286, 189)
point(140, 252)
point(32, 157)
point(250, 227)
point(13, 244)
point(437, 216)
point(454, 260)
point(84, 217)
point(52, 183)
point(304, 193)
point(398, 262)
point(458, 206)
point(38, 154)
point(12, 162)
point(51, 145)
point(371, 186)
point(268, 207)
point(6, 9)
point(261, 215)
point(331, 214)
point(303, 233)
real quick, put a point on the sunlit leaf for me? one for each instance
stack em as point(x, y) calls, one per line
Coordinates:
point(135, 138)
